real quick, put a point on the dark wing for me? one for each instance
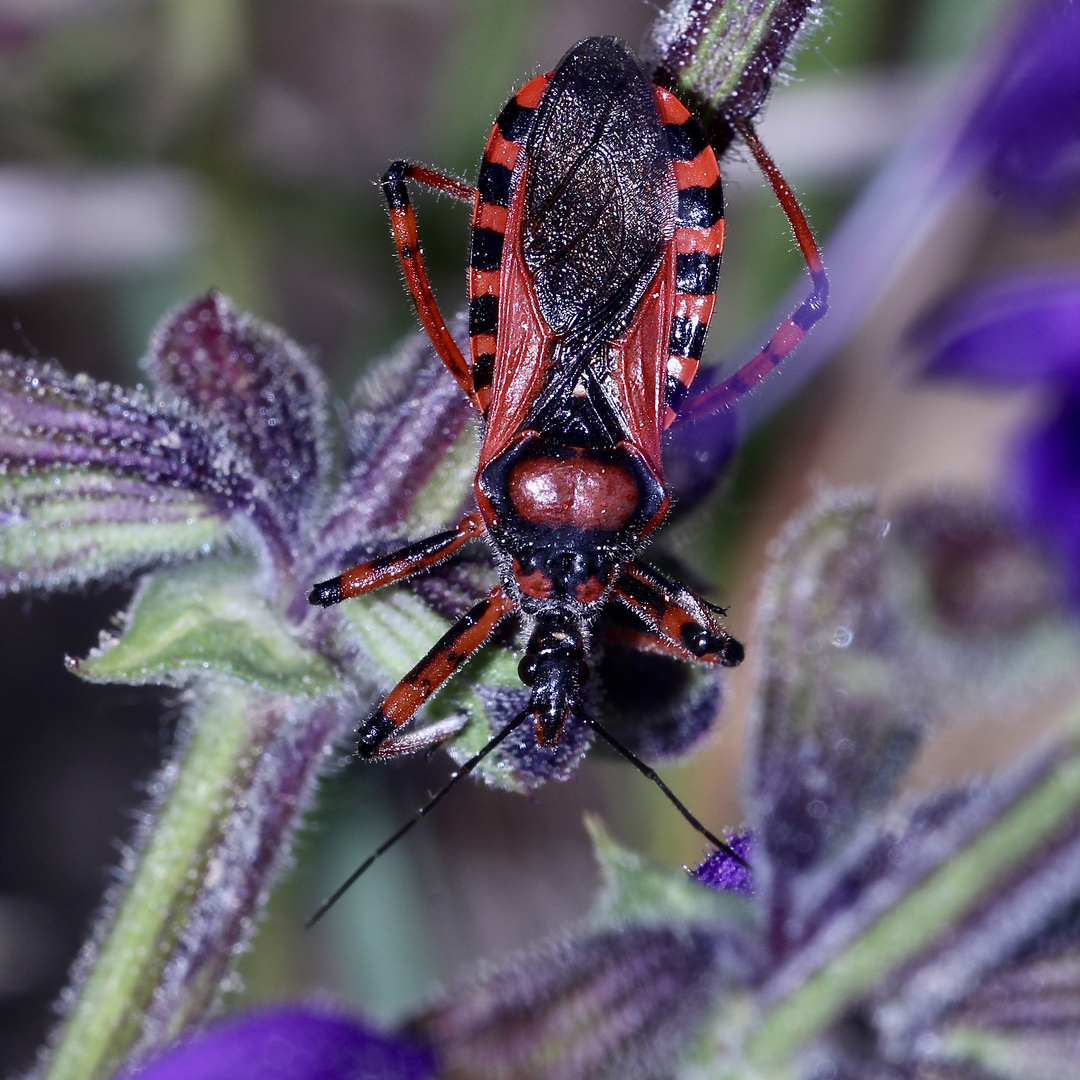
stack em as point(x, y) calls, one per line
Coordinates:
point(600, 195)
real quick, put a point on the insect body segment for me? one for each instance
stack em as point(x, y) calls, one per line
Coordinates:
point(597, 233)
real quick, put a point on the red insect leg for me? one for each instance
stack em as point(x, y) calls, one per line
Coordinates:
point(648, 641)
point(805, 315)
point(448, 654)
point(403, 563)
point(677, 615)
point(403, 226)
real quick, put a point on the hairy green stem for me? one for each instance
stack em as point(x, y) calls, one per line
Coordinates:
point(120, 974)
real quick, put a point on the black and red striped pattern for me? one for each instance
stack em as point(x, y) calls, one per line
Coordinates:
point(698, 243)
point(490, 212)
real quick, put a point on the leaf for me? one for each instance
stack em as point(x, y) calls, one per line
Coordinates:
point(202, 619)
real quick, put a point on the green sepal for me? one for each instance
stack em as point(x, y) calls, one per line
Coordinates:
point(207, 618)
point(63, 529)
point(441, 498)
point(636, 891)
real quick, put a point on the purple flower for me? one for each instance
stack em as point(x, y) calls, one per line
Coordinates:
point(720, 872)
point(1024, 330)
point(1027, 128)
point(291, 1044)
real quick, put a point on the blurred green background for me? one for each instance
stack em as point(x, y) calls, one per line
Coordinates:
point(152, 149)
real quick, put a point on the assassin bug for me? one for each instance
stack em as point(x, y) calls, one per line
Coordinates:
point(597, 229)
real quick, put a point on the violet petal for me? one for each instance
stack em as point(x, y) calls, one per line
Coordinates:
point(50, 420)
point(722, 873)
point(97, 482)
point(1047, 470)
point(291, 1044)
point(408, 415)
point(1015, 331)
point(1028, 126)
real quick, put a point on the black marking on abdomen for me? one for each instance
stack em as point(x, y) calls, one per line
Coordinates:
point(688, 337)
point(493, 183)
point(674, 392)
point(700, 208)
point(697, 273)
point(515, 121)
point(483, 371)
point(483, 314)
point(686, 140)
point(486, 250)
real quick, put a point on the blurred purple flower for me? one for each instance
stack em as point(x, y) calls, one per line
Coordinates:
point(1027, 128)
point(291, 1044)
point(1024, 330)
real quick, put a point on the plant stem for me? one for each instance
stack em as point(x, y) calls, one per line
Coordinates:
point(119, 975)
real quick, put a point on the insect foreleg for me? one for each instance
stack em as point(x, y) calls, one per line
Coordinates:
point(406, 240)
point(448, 654)
point(403, 563)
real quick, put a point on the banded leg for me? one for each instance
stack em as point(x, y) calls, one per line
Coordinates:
point(795, 328)
point(448, 654)
point(648, 641)
point(403, 227)
point(676, 615)
point(400, 564)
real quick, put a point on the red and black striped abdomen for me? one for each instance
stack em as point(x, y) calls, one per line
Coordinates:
point(698, 243)
point(490, 219)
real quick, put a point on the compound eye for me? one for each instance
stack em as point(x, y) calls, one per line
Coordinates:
point(583, 673)
point(697, 639)
point(527, 669)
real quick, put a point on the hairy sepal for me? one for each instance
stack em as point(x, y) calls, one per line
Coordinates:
point(207, 619)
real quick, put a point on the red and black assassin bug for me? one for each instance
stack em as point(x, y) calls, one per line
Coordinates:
point(597, 230)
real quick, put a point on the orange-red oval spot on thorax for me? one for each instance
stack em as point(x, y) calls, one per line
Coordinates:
point(575, 492)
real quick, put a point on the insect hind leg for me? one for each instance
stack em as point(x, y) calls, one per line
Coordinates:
point(796, 326)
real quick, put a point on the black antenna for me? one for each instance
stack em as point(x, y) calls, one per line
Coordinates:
point(434, 801)
point(651, 773)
